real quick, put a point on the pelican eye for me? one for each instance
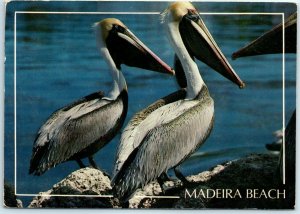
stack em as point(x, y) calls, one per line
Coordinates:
point(118, 29)
point(193, 15)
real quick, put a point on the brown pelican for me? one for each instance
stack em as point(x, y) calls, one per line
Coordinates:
point(271, 43)
point(80, 129)
point(167, 132)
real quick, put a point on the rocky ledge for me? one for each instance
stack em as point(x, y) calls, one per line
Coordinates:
point(250, 182)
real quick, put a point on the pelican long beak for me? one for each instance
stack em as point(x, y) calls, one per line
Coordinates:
point(271, 41)
point(127, 49)
point(201, 45)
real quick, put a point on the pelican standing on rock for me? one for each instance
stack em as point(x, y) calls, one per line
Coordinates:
point(79, 130)
point(166, 133)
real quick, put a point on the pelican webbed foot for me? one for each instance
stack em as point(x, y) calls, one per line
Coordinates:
point(181, 177)
point(164, 177)
point(165, 188)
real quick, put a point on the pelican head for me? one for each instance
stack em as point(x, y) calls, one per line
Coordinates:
point(125, 48)
point(271, 41)
point(184, 17)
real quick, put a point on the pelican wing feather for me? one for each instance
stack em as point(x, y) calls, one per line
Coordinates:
point(72, 129)
point(127, 142)
point(165, 147)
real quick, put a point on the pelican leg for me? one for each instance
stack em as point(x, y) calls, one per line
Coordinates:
point(81, 165)
point(94, 165)
point(166, 177)
point(180, 176)
point(92, 162)
point(161, 180)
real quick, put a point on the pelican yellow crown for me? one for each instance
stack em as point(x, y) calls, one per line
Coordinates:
point(106, 25)
point(178, 9)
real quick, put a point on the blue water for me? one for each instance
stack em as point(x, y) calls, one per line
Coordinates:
point(58, 63)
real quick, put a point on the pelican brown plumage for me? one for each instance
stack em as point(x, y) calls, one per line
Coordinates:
point(166, 133)
point(80, 129)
